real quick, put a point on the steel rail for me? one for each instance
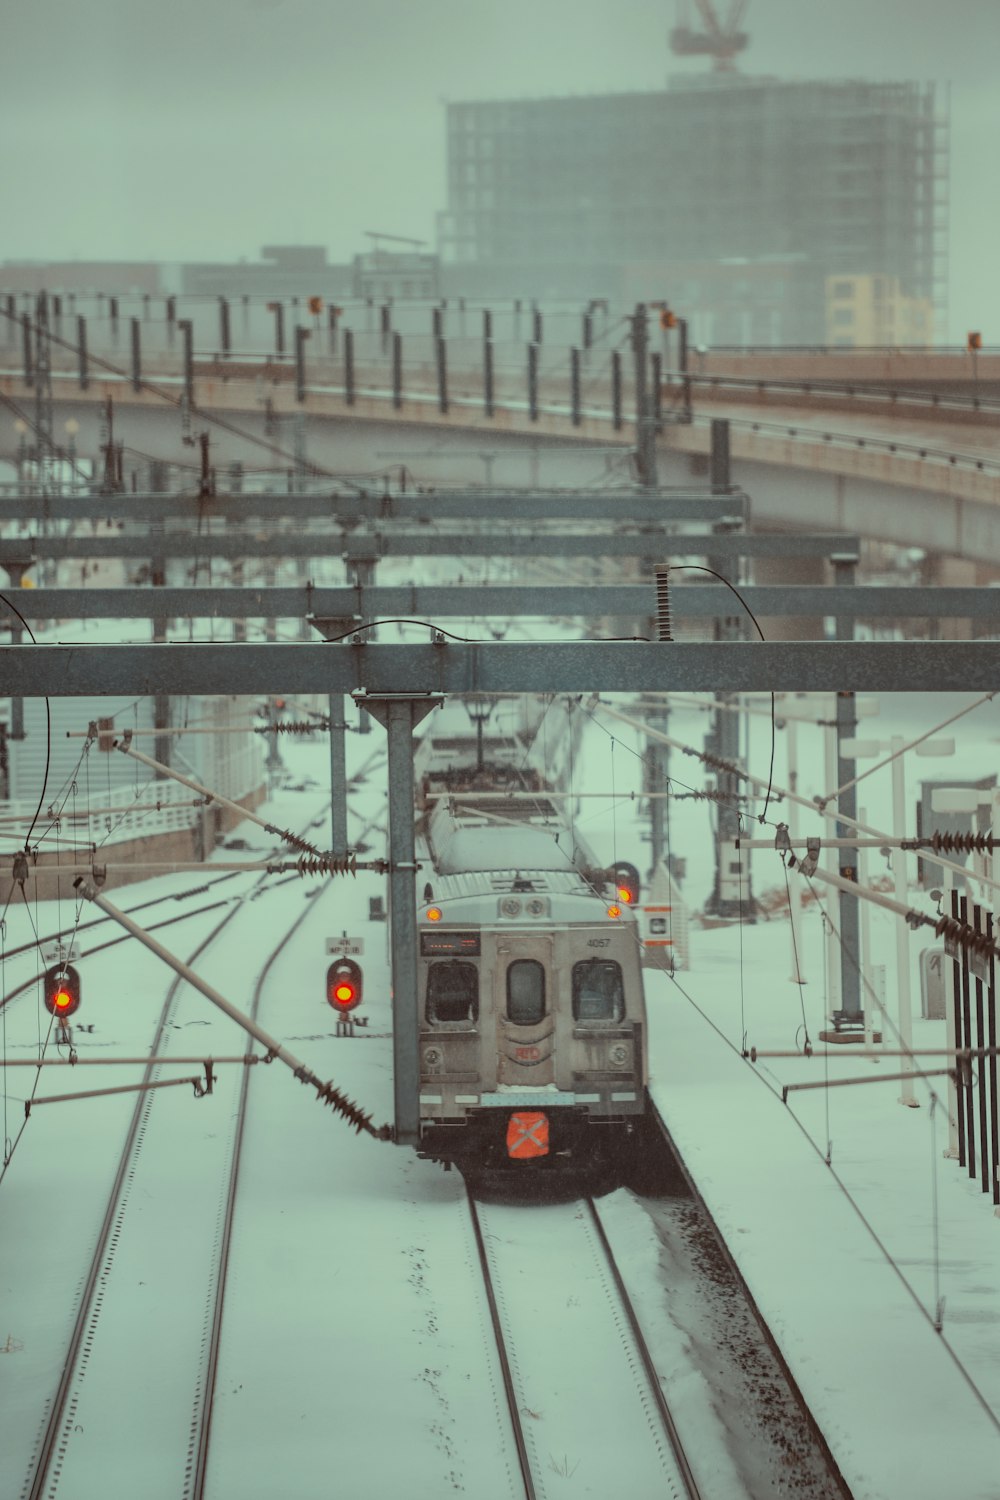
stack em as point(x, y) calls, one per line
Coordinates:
point(52, 1437)
point(201, 1433)
point(652, 1375)
point(501, 1346)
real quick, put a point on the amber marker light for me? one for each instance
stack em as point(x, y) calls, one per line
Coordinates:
point(434, 914)
point(614, 911)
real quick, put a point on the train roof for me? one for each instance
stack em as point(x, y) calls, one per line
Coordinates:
point(461, 841)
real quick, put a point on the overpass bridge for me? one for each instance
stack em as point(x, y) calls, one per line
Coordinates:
point(902, 446)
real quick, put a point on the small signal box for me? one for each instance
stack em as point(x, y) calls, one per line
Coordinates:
point(62, 991)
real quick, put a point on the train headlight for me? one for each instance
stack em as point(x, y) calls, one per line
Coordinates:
point(432, 1057)
point(510, 907)
point(618, 1055)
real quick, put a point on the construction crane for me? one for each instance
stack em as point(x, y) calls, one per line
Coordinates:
point(719, 41)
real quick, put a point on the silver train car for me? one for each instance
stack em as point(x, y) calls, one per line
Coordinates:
point(532, 1025)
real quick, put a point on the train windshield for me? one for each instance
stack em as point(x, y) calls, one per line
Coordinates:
point(525, 992)
point(452, 992)
point(598, 991)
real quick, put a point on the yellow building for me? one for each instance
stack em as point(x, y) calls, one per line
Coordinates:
point(871, 311)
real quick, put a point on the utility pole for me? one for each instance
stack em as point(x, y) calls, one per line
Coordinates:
point(732, 896)
point(645, 421)
point(45, 454)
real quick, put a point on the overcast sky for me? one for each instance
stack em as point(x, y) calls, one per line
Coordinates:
point(203, 129)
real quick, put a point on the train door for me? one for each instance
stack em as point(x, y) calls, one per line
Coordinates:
point(525, 1009)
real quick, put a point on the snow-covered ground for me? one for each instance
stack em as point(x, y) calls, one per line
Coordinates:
point(354, 1355)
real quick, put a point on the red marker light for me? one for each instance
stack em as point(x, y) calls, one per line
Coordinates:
point(625, 895)
point(62, 999)
point(344, 981)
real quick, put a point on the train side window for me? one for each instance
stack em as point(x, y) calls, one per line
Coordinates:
point(525, 992)
point(598, 991)
point(452, 992)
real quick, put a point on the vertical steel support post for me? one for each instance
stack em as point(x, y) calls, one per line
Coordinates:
point(844, 566)
point(487, 325)
point(399, 716)
point(732, 893)
point(442, 374)
point(991, 1042)
point(338, 775)
point(970, 1103)
point(900, 862)
point(279, 327)
point(81, 344)
point(720, 476)
point(682, 365)
point(225, 341)
point(645, 434)
point(397, 371)
point(656, 395)
point(488, 377)
point(29, 366)
point(301, 334)
point(15, 573)
point(187, 356)
point(158, 484)
point(536, 325)
point(616, 390)
point(574, 387)
point(349, 366)
point(136, 354)
point(587, 331)
point(982, 1087)
point(385, 325)
point(954, 952)
point(533, 382)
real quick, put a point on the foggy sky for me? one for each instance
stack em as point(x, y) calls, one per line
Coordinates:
point(204, 129)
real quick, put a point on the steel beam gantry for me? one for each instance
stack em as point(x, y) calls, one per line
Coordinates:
point(447, 666)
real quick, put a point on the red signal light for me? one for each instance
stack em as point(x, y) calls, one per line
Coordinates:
point(62, 991)
point(625, 895)
point(344, 985)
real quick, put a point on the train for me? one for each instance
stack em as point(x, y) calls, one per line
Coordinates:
point(533, 1055)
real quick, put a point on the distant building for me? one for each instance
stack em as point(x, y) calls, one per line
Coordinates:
point(684, 194)
point(862, 311)
point(395, 275)
point(282, 271)
point(115, 277)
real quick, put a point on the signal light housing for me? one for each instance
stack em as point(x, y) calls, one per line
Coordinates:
point(627, 883)
point(344, 985)
point(62, 991)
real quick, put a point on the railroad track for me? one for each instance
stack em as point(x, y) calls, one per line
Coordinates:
point(585, 1400)
point(75, 1431)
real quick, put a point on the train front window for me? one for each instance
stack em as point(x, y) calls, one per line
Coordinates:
point(525, 992)
point(452, 993)
point(598, 991)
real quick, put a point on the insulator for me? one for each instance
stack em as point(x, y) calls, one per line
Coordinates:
point(293, 840)
point(965, 936)
point(351, 1112)
point(294, 726)
point(327, 864)
point(664, 618)
point(961, 843)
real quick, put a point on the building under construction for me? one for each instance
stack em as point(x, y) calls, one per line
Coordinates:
point(735, 199)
